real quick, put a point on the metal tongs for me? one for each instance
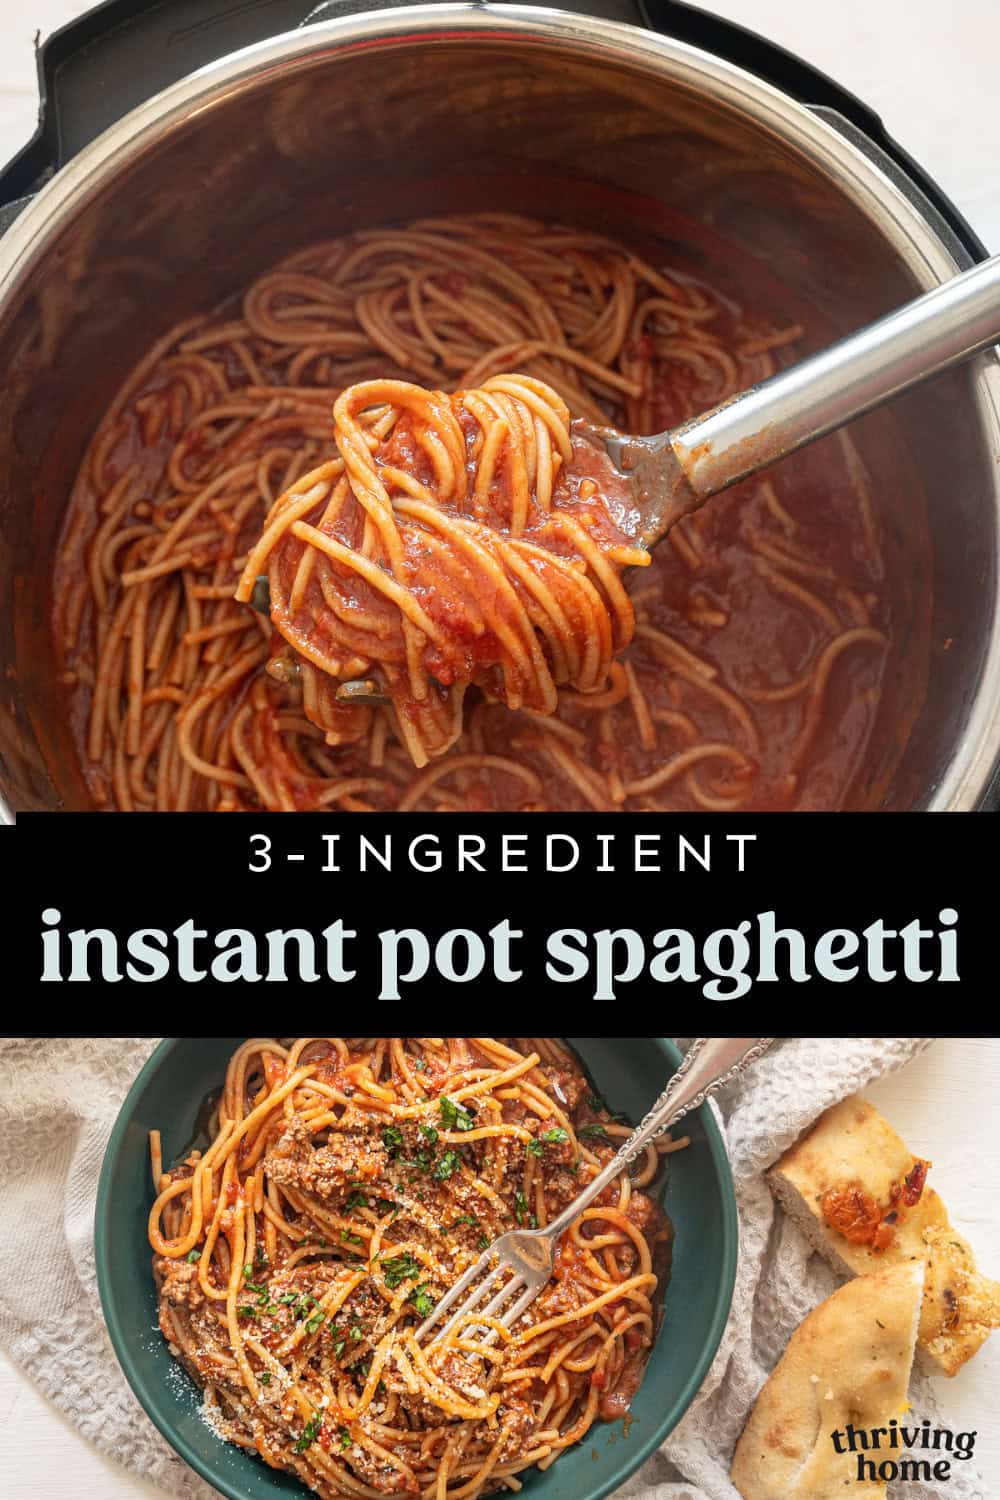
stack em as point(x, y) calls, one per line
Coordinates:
point(673, 473)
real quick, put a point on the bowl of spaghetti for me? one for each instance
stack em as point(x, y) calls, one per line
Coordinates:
point(275, 1219)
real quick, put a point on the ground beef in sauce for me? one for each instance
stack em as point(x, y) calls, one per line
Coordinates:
point(329, 1170)
point(359, 1170)
point(569, 1088)
point(178, 1282)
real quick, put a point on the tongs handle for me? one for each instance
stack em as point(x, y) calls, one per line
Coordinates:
point(939, 329)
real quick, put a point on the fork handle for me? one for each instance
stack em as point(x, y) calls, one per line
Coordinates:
point(711, 1062)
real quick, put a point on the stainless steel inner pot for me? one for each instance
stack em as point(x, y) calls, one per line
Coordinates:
point(439, 109)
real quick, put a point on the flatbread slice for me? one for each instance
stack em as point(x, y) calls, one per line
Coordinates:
point(859, 1194)
point(849, 1361)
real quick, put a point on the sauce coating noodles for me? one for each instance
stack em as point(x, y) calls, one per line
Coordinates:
point(348, 1184)
point(455, 540)
point(760, 627)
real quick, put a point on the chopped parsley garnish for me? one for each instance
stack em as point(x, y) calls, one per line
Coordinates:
point(315, 1322)
point(596, 1102)
point(194, 1256)
point(449, 1164)
point(345, 1437)
point(310, 1433)
point(421, 1065)
point(264, 1377)
point(356, 1199)
point(356, 1332)
point(288, 1299)
point(347, 1238)
point(423, 1302)
point(392, 1138)
point(594, 1133)
point(386, 1206)
point(483, 1242)
point(469, 1219)
point(245, 1310)
point(429, 1133)
point(338, 1343)
point(453, 1116)
point(553, 1137)
point(520, 1206)
point(260, 595)
point(400, 1268)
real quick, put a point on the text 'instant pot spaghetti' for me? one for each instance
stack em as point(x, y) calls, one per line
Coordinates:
point(760, 626)
point(347, 1186)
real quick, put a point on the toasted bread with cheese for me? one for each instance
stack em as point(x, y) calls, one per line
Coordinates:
point(859, 1194)
point(848, 1361)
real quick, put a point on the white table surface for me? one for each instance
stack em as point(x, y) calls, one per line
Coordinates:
point(932, 75)
point(930, 70)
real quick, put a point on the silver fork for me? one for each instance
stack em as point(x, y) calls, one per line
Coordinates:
point(527, 1254)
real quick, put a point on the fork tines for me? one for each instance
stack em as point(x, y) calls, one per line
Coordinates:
point(490, 1267)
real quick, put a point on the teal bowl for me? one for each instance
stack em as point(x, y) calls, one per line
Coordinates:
point(169, 1095)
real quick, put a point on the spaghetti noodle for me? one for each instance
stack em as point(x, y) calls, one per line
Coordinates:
point(347, 1185)
point(454, 541)
point(760, 626)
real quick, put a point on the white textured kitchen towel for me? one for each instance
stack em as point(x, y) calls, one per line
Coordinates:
point(58, 1100)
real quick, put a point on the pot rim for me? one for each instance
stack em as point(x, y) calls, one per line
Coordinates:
point(876, 193)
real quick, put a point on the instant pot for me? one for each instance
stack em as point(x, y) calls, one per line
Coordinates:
point(186, 146)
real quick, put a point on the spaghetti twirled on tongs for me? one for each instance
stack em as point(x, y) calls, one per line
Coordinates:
point(455, 540)
point(347, 1185)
